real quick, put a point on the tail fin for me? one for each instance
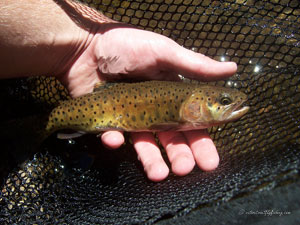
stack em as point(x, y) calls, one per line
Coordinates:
point(23, 136)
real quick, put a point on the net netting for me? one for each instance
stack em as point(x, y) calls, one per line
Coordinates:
point(74, 182)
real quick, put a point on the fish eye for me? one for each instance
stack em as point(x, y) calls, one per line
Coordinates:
point(225, 101)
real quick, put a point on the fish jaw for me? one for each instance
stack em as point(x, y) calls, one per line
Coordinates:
point(237, 113)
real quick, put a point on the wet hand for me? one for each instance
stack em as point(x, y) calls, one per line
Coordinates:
point(136, 54)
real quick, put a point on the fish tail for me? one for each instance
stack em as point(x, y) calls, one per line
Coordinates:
point(23, 137)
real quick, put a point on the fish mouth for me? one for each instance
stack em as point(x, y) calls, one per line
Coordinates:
point(238, 111)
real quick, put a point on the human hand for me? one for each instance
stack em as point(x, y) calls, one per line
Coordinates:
point(82, 47)
point(136, 54)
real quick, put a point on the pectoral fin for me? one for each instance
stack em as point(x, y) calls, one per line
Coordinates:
point(70, 135)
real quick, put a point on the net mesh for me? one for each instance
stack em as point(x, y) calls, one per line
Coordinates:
point(72, 182)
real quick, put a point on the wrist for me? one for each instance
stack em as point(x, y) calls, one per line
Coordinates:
point(39, 38)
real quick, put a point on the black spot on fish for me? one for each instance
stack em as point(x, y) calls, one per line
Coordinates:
point(78, 110)
point(95, 112)
point(142, 117)
point(122, 105)
point(127, 114)
point(133, 118)
point(114, 108)
point(167, 113)
point(144, 112)
point(103, 112)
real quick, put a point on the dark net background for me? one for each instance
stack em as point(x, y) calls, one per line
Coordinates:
point(79, 182)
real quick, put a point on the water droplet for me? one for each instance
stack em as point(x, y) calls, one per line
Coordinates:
point(236, 84)
point(229, 83)
point(222, 59)
point(256, 69)
point(180, 77)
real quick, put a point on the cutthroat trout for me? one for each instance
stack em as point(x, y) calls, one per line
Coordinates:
point(148, 106)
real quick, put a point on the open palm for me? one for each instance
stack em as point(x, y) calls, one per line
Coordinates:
point(124, 52)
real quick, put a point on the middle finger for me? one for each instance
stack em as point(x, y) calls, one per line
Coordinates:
point(178, 151)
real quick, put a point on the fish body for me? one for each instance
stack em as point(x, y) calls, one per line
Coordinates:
point(148, 106)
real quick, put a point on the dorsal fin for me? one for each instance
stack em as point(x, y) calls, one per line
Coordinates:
point(98, 86)
point(102, 85)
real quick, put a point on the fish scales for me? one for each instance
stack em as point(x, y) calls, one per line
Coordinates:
point(143, 106)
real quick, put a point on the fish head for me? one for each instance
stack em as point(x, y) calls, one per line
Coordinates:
point(212, 105)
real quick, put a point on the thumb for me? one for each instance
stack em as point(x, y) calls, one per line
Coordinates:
point(195, 65)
